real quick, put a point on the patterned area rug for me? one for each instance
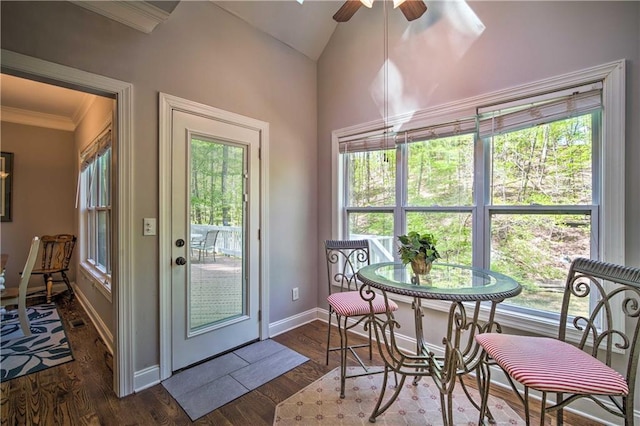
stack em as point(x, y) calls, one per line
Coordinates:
point(46, 347)
point(320, 404)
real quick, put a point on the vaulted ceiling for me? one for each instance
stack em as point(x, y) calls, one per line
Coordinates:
point(294, 24)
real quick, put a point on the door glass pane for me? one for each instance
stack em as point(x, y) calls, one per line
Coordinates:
point(217, 286)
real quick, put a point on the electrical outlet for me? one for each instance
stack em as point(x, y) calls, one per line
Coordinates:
point(294, 294)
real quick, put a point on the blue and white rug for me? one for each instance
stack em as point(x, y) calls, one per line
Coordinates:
point(46, 347)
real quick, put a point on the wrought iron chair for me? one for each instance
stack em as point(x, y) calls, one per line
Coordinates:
point(56, 256)
point(344, 258)
point(583, 368)
point(18, 295)
point(208, 243)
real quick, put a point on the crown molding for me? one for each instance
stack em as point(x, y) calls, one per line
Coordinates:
point(139, 15)
point(83, 108)
point(38, 119)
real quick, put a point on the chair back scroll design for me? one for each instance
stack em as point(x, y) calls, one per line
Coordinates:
point(618, 290)
point(344, 258)
point(604, 366)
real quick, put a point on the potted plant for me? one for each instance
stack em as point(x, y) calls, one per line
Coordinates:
point(419, 250)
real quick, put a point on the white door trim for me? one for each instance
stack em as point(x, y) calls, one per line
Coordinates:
point(123, 366)
point(167, 105)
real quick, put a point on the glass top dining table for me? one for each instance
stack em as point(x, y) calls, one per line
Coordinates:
point(444, 282)
point(467, 289)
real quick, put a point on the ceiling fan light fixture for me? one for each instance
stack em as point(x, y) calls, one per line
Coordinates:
point(368, 3)
point(397, 3)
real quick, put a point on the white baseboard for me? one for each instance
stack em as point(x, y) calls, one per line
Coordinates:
point(146, 378)
point(101, 327)
point(292, 322)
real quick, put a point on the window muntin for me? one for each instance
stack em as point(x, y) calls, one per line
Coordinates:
point(95, 197)
point(534, 169)
point(565, 188)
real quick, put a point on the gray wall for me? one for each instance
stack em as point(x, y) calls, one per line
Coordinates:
point(441, 61)
point(44, 182)
point(206, 55)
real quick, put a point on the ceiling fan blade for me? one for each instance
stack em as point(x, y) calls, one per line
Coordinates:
point(413, 9)
point(347, 10)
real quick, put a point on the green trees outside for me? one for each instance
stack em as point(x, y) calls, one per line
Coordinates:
point(549, 165)
point(217, 183)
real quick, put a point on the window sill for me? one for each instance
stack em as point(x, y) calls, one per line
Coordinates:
point(99, 280)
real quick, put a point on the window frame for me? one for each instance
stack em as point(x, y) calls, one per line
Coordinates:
point(99, 274)
point(610, 175)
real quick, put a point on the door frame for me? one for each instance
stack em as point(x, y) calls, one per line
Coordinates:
point(168, 104)
point(122, 268)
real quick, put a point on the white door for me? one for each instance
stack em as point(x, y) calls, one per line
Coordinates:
point(215, 181)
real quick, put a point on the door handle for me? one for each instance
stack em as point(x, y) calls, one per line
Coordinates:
point(181, 261)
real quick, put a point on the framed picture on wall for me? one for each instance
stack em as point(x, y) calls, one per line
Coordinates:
point(6, 185)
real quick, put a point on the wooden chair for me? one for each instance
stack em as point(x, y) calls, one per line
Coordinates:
point(56, 256)
point(578, 364)
point(206, 245)
point(344, 258)
point(18, 295)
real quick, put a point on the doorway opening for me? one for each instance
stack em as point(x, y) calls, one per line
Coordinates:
point(18, 65)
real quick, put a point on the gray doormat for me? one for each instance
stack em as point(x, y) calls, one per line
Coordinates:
point(210, 385)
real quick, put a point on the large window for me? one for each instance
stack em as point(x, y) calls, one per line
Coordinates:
point(517, 188)
point(95, 197)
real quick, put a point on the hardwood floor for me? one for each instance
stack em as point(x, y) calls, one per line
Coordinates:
point(80, 392)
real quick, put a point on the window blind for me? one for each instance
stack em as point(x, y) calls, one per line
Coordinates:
point(509, 119)
point(444, 130)
point(96, 149)
point(368, 141)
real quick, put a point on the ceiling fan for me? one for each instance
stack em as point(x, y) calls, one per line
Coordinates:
point(412, 9)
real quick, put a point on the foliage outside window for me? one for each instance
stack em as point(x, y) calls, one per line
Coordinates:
point(96, 208)
point(542, 177)
point(515, 191)
point(217, 183)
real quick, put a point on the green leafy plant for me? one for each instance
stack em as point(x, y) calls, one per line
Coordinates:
point(415, 246)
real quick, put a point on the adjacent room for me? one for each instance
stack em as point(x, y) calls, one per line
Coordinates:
point(320, 212)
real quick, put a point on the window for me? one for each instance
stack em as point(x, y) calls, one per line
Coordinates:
point(520, 187)
point(95, 198)
point(541, 205)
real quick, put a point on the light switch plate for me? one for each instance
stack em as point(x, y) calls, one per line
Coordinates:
point(149, 226)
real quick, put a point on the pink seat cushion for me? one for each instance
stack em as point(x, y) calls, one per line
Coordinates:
point(550, 365)
point(349, 303)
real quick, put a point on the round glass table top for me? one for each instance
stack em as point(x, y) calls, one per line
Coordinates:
point(444, 282)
